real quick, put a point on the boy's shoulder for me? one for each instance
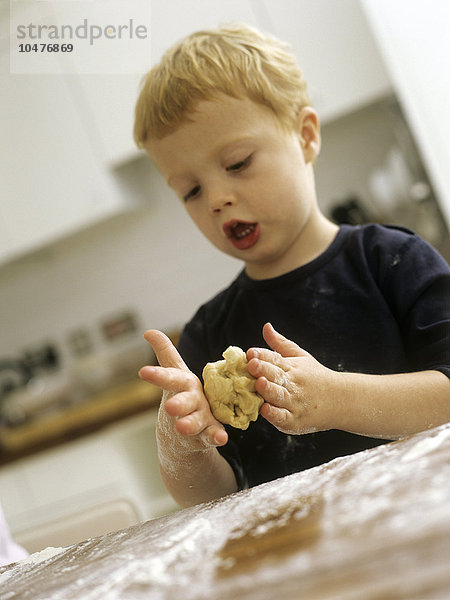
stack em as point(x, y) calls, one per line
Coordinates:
point(383, 247)
point(399, 261)
point(378, 241)
point(372, 232)
point(385, 238)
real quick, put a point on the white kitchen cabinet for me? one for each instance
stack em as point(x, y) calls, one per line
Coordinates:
point(52, 180)
point(414, 40)
point(110, 100)
point(114, 470)
point(14, 491)
point(335, 49)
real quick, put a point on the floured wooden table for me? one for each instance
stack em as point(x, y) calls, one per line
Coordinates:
point(375, 525)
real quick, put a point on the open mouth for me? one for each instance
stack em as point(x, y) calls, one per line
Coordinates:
point(242, 234)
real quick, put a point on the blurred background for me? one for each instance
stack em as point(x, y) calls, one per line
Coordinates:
point(94, 249)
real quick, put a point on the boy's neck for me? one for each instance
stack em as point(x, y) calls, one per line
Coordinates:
point(317, 237)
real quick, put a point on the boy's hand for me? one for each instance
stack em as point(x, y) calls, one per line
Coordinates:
point(296, 388)
point(187, 403)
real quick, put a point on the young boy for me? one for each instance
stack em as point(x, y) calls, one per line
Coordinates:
point(365, 310)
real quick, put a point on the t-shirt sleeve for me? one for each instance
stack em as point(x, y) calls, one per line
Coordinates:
point(415, 280)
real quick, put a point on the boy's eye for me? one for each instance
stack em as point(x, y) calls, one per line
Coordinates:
point(239, 166)
point(192, 193)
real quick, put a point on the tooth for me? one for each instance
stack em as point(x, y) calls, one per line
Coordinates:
point(241, 234)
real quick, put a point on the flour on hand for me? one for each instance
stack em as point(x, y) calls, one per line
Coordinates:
point(230, 389)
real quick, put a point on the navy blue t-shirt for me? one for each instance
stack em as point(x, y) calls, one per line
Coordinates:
point(376, 301)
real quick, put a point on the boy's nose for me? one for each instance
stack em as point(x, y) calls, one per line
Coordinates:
point(219, 201)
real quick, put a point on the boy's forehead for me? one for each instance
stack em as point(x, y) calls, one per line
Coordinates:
point(224, 116)
point(221, 110)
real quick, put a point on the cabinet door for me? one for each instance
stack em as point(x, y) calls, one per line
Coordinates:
point(334, 48)
point(52, 181)
point(110, 99)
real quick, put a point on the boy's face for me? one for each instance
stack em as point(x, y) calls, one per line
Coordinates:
point(247, 183)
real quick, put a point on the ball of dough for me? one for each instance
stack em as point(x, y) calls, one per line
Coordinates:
point(230, 389)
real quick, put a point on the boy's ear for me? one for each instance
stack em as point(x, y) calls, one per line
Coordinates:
point(308, 131)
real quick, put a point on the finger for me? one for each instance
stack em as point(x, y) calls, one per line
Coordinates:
point(215, 435)
point(266, 355)
point(168, 378)
point(279, 343)
point(272, 393)
point(264, 368)
point(278, 417)
point(165, 351)
point(210, 433)
point(181, 405)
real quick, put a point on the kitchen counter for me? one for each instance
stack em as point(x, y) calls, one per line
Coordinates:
point(373, 525)
point(74, 421)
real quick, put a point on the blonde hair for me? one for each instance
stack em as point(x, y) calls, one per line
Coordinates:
point(235, 60)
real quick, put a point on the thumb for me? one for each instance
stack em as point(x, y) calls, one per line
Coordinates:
point(278, 343)
point(165, 351)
